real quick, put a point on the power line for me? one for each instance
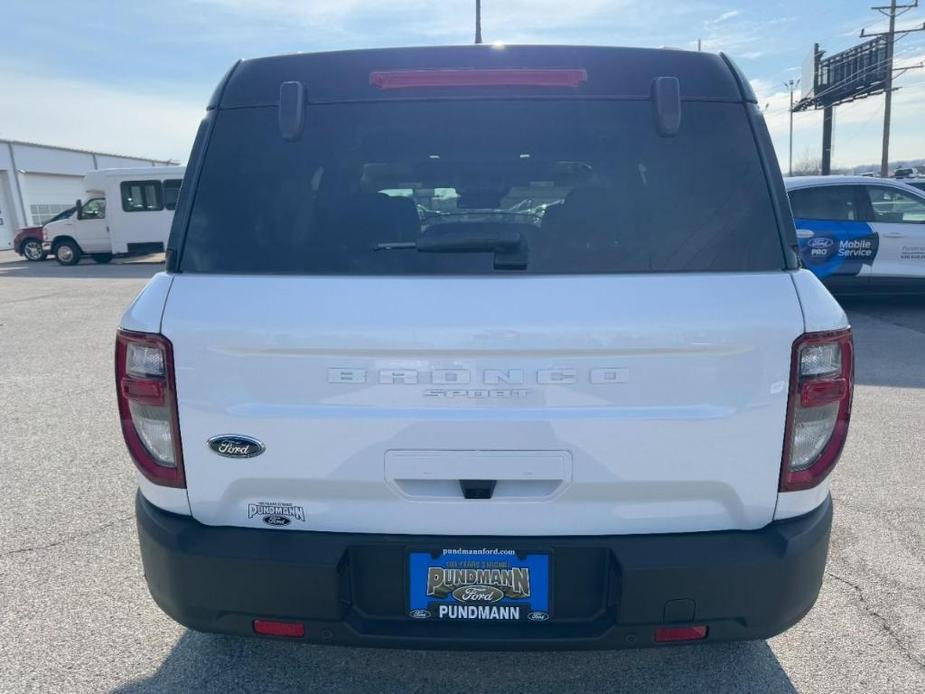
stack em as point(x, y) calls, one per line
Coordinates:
point(846, 59)
point(908, 50)
point(858, 77)
point(894, 12)
point(838, 85)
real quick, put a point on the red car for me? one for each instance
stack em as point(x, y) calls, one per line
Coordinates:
point(28, 242)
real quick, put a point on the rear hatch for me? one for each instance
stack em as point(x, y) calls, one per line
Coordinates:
point(483, 316)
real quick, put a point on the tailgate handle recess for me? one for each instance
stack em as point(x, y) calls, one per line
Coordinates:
point(478, 475)
point(477, 489)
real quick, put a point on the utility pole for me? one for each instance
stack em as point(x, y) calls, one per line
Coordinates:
point(478, 21)
point(892, 12)
point(791, 84)
point(828, 115)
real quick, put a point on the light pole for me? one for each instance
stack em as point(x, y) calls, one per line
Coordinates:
point(791, 85)
point(478, 21)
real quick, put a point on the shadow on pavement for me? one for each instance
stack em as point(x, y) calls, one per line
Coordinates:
point(13, 267)
point(885, 356)
point(207, 663)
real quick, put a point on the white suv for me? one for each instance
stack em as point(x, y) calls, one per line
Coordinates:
point(377, 400)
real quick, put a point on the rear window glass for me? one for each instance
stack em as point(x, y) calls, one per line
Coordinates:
point(838, 203)
point(482, 186)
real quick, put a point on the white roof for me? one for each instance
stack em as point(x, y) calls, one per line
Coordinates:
point(84, 151)
point(793, 182)
point(96, 180)
point(139, 171)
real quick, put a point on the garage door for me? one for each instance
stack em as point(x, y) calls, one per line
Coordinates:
point(47, 195)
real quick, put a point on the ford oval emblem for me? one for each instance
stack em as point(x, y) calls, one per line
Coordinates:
point(236, 446)
point(538, 616)
point(419, 614)
point(276, 521)
point(476, 594)
point(820, 242)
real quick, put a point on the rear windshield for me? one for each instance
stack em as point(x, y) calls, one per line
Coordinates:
point(480, 187)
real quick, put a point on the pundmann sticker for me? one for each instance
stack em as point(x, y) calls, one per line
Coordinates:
point(276, 508)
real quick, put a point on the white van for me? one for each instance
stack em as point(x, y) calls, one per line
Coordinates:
point(127, 212)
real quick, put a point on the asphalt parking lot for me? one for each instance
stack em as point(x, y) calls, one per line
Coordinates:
point(75, 615)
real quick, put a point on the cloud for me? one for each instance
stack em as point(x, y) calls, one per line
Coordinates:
point(332, 24)
point(738, 36)
point(92, 115)
point(392, 23)
point(62, 96)
point(725, 16)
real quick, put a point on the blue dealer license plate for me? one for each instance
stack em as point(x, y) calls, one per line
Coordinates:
point(484, 584)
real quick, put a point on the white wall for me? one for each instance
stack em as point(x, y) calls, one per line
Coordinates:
point(8, 223)
point(104, 161)
point(13, 216)
point(35, 159)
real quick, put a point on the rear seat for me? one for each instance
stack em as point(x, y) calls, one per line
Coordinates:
point(351, 227)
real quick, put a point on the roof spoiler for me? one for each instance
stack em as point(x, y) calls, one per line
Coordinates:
point(291, 110)
point(666, 100)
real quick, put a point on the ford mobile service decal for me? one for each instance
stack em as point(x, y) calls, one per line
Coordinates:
point(479, 584)
point(837, 248)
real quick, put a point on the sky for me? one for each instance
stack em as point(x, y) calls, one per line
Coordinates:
point(133, 77)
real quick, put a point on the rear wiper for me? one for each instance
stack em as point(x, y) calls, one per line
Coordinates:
point(507, 244)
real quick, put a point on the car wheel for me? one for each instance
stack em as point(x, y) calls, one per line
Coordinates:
point(32, 250)
point(67, 253)
point(101, 258)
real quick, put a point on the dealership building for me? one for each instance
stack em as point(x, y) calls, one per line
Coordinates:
point(39, 181)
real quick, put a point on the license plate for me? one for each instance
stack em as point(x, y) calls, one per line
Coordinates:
point(486, 584)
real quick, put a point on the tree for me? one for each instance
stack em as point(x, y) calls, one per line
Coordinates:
point(807, 165)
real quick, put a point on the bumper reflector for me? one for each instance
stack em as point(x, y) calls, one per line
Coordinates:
point(270, 627)
point(666, 634)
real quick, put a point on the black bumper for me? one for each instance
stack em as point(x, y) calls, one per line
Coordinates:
point(609, 592)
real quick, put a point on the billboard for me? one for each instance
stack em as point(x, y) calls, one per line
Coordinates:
point(859, 71)
point(808, 74)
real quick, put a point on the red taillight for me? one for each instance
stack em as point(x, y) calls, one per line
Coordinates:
point(819, 407)
point(667, 634)
point(270, 627)
point(146, 392)
point(822, 392)
point(475, 77)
